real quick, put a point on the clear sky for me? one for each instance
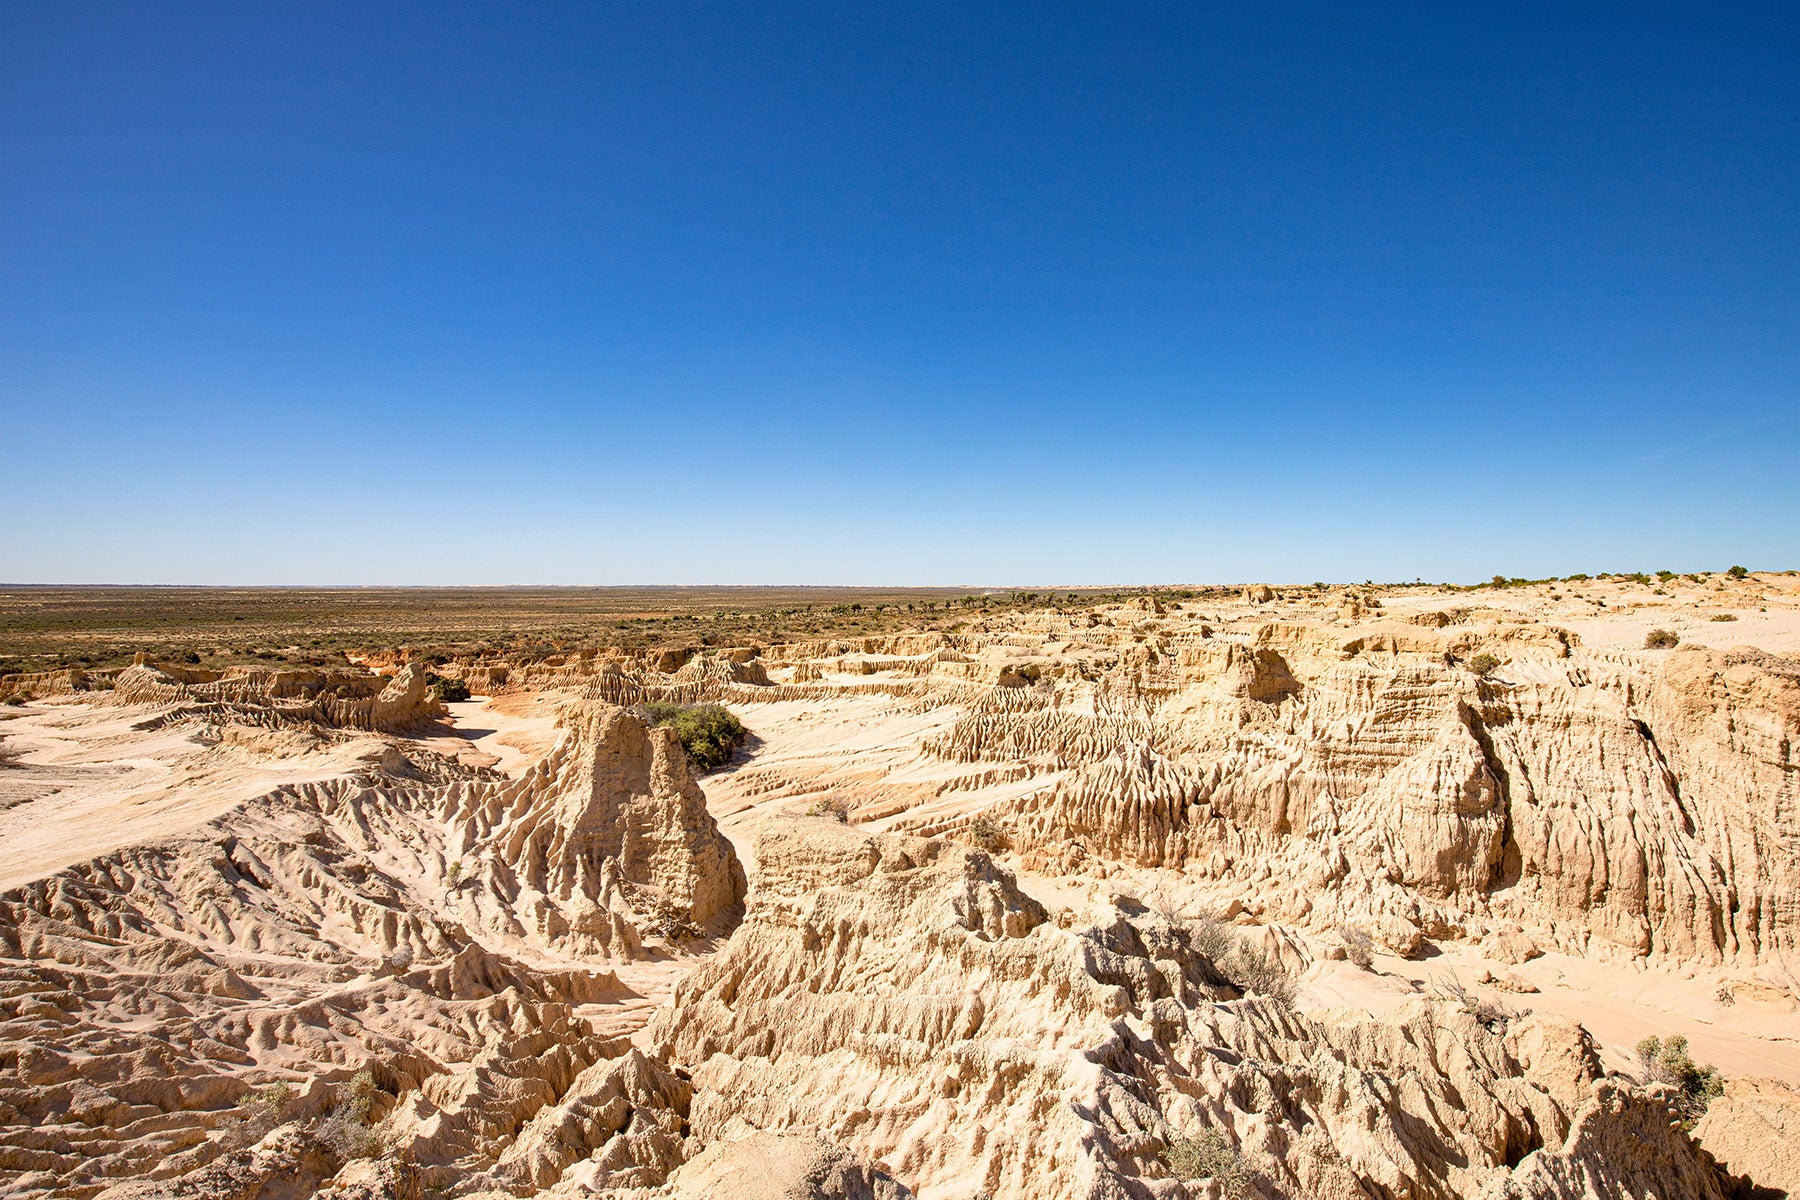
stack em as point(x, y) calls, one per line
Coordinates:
point(531, 293)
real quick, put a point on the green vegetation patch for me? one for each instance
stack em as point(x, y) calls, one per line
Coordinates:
point(1695, 1086)
point(710, 733)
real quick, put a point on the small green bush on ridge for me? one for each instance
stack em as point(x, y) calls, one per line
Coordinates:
point(710, 733)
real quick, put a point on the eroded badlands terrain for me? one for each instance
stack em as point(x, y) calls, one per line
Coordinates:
point(1315, 892)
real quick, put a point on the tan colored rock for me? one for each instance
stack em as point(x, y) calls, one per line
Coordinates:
point(1754, 1132)
point(903, 998)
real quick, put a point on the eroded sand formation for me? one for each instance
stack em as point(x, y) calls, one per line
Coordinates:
point(1027, 909)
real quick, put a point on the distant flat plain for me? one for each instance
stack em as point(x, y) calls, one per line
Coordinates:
point(43, 627)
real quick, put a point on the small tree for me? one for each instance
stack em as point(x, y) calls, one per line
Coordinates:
point(1738, 572)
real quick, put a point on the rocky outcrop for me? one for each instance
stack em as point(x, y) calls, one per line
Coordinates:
point(445, 936)
point(1753, 1129)
point(603, 842)
point(255, 696)
point(1651, 808)
point(905, 999)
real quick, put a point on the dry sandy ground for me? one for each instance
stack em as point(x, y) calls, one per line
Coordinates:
point(506, 733)
point(88, 781)
point(1765, 610)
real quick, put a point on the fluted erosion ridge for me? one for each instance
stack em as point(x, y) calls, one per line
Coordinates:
point(447, 936)
point(1354, 769)
point(1655, 807)
point(904, 998)
point(256, 696)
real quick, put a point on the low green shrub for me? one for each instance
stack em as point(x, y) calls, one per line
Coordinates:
point(450, 691)
point(1738, 572)
point(1484, 664)
point(1695, 1086)
point(710, 733)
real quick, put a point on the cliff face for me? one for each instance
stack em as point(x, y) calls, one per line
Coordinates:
point(1652, 806)
point(269, 697)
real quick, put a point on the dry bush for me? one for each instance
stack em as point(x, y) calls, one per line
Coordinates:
point(1248, 968)
point(987, 835)
point(1208, 1155)
point(837, 810)
point(1723, 617)
point(1484, 664)
point(260, 1110)
point(1661, 639)
point(346, 1131)
point(1491, 1013)
point(1359, 947)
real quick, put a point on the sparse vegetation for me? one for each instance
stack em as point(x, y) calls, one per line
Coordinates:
point(1738, 572)
point(1359, 947)
point(447, 690)
point(1484, 664)
point(1723, 617)
point(987, 835)
point(829, 807)
point(1661, 639)
point(1668, 1062)
point(260, 1110)
point(710, 733)
point(1246, 967)
point(1209, 1155)
point(346, 1131)
point(1491, 1013)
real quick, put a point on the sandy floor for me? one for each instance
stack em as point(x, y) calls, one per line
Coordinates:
point(507, 733)
point(88, 782)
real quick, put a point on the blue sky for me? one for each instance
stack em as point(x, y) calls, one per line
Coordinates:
point(928, 294)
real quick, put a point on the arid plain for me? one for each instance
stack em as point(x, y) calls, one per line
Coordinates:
point(1277, 891)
